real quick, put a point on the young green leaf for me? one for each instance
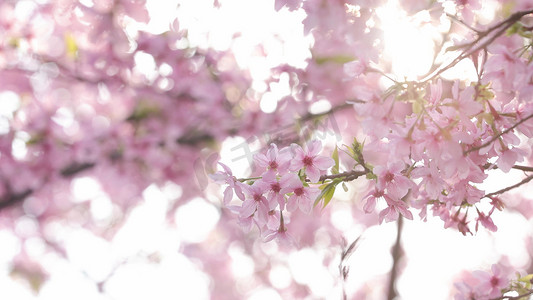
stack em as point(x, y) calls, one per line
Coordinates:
point(344, 186)
point(335, 156)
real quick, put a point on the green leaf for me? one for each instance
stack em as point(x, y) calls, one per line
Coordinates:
point(344, 186)
point(335, 156)
point(327, 192)
point(371, 176)
point(527, 280)
point(143, 110)
point(339, 59)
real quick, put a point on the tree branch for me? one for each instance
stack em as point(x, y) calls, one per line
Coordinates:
point(470, 49)
point(524, 181)
point(348, 176)
point(498, 135)
point(396, 256)
point(13, 199)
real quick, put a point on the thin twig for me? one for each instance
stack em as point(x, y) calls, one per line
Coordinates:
point(524, 181)
point(348, 176)
point(523, 168)
point(470, 49)
point(498, 135)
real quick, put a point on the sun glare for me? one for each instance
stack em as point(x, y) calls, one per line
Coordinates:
point(409, 46)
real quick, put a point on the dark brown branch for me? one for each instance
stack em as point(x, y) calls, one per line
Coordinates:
point(524, 181)
point(498, 135)
point(71, 170)
point(523, 168)
point(396, 256)
point(13, 199)
point(348, 176)
point(76, 168)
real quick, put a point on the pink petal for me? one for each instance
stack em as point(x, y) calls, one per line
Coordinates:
point(261, 160)
point(379, 171)
point(323, 163)
point(248, 208)
point(370, 204)
point(292, 203)
point(296, 165)
point(305, 205)
point(238, 190)
point(313, 173)
point(406, 213)
point(314, 147)
point(383, 213)
point(272, 153)
point(262, 213)
point(270, 235)
point(228, 195)
point(396, 167)
point(226, 168)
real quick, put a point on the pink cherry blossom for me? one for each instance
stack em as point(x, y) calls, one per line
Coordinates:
point(302, 196)
point(395, 207)
point(391, 179)
point(277, 188)
point(486, 220)
point(431, 182)
point(491, 284)
point(233, 183)
point(274, 160)
point(310, 160)
point(281, 235)
point(391, 213)
point(255, 203)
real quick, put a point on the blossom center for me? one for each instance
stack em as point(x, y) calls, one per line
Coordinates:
point(257, 197)
point(275, 187)
point(494, 281)
point(389, 177)
point(273, 165)
point(308, 161)
point(299, 191)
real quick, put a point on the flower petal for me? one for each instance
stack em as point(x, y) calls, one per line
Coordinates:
point(248, 208)
point(323, 162)
point(228, 195)
point(370, 204)
point(313, 173)
point(261, 160)
point(314, 147)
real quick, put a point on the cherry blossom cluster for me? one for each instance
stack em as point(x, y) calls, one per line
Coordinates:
point(285, 186)
point(496, 284)
point(430, 142)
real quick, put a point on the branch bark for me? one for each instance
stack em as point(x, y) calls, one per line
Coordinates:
point(524, 181)
point(396, 257)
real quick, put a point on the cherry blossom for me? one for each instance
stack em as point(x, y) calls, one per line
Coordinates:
point(256, 203)
point(274, 161)
point(88, 95)
point(302, 197)
point(310, 160)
